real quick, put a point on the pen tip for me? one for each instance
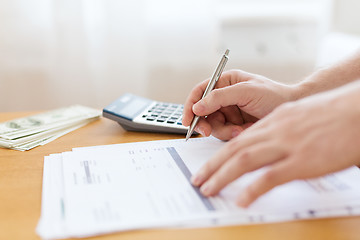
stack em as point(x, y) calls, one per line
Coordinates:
point(188, 135)
point(227, 52)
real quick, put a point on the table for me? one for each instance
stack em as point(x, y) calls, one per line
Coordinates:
point(21, 184)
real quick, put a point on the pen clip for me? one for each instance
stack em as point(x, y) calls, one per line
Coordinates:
point(218, 71)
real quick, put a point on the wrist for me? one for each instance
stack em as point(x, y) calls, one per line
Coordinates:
point(305, 89)
point(301, 90)
point(319, 81)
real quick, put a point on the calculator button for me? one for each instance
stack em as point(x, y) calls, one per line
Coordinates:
point(170, 121)
point(160, 120)
point(179, 123)
point(154, 115)
point(144, 115)
point(150, 119)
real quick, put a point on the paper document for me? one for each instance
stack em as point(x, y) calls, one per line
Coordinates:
point(120, 187)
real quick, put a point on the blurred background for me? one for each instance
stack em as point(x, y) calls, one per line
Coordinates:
point(55, 53)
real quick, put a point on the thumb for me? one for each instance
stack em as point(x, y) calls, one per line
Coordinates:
point(221, 97)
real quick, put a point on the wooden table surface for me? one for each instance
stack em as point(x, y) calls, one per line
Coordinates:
point(21, 184)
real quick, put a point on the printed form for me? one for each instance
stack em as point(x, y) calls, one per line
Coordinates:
point(120, 187)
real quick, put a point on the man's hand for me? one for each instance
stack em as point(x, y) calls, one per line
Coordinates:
point(298, 140)
point(238, 101)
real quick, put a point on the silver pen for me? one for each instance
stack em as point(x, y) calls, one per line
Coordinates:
point(209, 88)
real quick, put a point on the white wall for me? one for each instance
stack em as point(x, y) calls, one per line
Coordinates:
point(346, 17)
point(61, 52)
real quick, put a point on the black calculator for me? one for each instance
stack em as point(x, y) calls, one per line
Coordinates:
point(135, 113)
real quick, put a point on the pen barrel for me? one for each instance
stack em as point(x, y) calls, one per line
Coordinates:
point(194, 123)
point(217, 74)
point(192, 127)
point(215, 77)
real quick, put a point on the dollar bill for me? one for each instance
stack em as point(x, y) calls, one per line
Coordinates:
point(41, 122)
point(23, 140)
point(48, 138)
point(29, 132)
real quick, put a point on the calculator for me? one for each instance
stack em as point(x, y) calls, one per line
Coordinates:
point(135, 113)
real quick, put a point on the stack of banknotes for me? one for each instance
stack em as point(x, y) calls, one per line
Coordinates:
point(26, 133)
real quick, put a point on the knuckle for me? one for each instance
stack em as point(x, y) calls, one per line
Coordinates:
point(242, 159)
point(271, 177)
point(215, 94)
point(233, 144)
point(245, 154)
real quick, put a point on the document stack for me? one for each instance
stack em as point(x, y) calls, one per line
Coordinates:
point(26, 133)
point(103, 189)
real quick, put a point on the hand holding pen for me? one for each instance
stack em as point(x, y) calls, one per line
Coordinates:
point(209, 88)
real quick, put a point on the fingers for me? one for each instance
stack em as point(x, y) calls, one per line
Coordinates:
point(221, 128)
point(233, 115)
point(222, 97)
point(225, 153)
point(280, 173)
point(251, 158)
point(203, 127)
point(226, 79)
point(229, 78)
point(194, 96)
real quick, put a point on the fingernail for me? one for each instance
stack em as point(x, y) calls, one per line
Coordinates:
point(195, 179)
point(205, 189)
point(184, 123)
point(201, 131)
point(235, 133)
point(243, 200)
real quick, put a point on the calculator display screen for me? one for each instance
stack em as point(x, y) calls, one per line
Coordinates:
point(133, 108)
